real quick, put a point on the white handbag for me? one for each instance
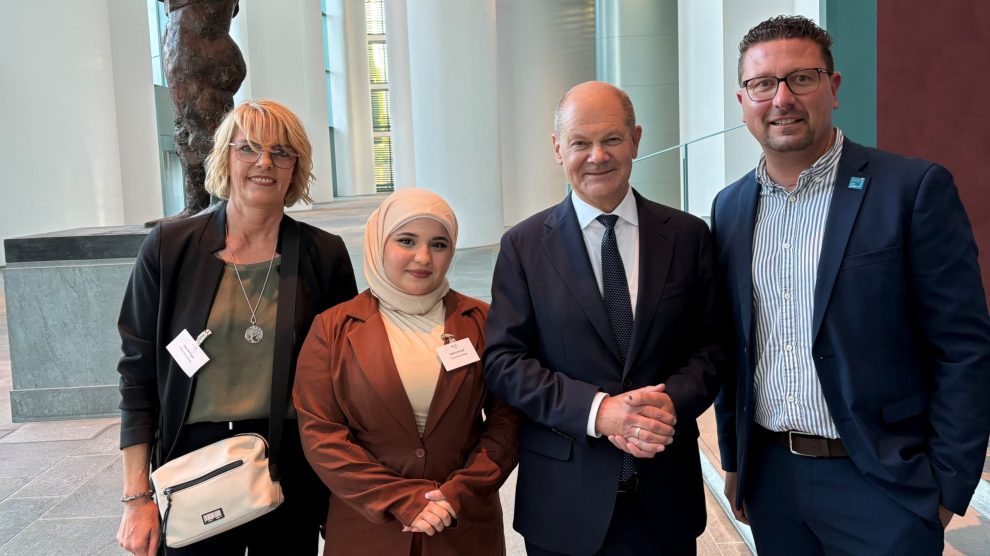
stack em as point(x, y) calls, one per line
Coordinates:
point(215, 488)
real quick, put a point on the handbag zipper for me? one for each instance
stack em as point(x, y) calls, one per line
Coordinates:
point(168, 491)
point(192, 482)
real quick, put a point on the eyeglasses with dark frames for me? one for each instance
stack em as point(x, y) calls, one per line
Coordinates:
point(800, 82)
point(281, 157)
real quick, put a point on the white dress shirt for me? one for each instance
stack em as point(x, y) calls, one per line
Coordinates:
point(627, 238)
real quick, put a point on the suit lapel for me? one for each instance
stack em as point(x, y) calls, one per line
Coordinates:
point(450, 382)
point(563, 242)
point(370, 346)
point(656, 249)
point(749, 198)
point(203, 271)
point(200, 294)
point(842, 213)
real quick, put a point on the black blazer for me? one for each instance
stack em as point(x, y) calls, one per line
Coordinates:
point(172, 286)
point(550, 349)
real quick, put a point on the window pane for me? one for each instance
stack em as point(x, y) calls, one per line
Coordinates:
point(156, 27)
point(378, 62)
point(380, 116)
point(374, 15)
point(383, 164)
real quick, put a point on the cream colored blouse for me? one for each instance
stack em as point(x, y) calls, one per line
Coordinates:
point(414, 340)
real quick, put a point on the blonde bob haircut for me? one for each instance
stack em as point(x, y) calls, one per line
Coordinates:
point(265, 123)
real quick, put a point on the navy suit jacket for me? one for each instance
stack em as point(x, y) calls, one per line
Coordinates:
point(550, 349)
point(901, 337)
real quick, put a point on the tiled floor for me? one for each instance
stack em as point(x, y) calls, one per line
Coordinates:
point(59, 481)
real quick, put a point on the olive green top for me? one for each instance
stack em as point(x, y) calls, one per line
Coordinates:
point(236, 384)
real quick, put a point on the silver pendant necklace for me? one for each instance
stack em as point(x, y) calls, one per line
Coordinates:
point(254, 333)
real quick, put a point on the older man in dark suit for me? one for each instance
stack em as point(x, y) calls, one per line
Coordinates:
point(602, 332)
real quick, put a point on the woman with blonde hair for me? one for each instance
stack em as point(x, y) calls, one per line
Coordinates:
point(393, 427)
point(222, 271)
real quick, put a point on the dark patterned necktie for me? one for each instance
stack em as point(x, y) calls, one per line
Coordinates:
point(615, 289)
point(615, 293)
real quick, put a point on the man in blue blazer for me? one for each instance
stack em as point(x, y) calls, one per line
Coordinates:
point(855, 415)
point(601, 331)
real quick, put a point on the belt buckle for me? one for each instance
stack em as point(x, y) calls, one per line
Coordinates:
point(629, 486)
point(790, 444)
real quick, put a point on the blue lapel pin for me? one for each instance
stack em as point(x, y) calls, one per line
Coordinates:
point(856, 183)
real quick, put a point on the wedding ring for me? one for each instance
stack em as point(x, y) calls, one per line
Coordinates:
point(637, 432)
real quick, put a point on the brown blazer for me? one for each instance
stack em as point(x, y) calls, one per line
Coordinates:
point(359, 434)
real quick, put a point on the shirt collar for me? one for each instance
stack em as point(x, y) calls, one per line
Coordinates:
point(626, 210)
point(821, 167)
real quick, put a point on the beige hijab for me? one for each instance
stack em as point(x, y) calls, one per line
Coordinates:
point(395, 211)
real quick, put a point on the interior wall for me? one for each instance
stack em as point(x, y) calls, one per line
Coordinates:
point(134, 102)
point(932, 84)
point(853, 26)
point(710, 31)
point(703, 87)
point(638, 51)
point(453, 61)
point(350, 97)
point(544, 49)
point(76, 98)
point(288, 68)
point(400, 94)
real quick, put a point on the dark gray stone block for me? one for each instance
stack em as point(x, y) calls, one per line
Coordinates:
point(110, 242)
point(64, 345)
point(56, 404)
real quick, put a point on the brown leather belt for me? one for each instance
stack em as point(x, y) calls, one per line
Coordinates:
point(809, 445)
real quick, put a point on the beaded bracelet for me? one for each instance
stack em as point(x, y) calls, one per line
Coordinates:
point(137, 496)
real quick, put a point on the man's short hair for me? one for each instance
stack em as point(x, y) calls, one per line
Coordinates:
point(787, 27)
point(629, 113)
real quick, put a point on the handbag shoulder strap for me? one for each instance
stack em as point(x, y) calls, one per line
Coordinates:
point(284, 338)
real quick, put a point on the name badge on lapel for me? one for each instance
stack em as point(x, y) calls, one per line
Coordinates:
point(187, 352)
point(857, 183)
point(455, 355)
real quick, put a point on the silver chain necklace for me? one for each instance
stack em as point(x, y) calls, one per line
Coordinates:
point(254, 333)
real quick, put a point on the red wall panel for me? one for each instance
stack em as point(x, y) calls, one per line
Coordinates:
point(933, 95)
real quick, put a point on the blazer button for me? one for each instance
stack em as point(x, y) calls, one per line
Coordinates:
point(627, 383)
point(420, 453)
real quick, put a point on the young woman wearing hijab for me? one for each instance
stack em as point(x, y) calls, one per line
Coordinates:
point(398, 437)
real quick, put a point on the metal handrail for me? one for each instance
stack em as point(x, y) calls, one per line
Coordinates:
point(683, 147)
point(668, 149)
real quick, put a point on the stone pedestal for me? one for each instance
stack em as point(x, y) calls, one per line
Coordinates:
point(63, 293)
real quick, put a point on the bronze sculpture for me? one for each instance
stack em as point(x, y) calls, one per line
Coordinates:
point(204, 69)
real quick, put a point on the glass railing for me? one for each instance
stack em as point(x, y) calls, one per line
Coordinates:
point(717, 157)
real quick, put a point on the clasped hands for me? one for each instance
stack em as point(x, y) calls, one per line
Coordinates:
point(432, 519)
point(640, 422)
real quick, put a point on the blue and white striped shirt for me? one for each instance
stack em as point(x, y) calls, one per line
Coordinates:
point(787, 243)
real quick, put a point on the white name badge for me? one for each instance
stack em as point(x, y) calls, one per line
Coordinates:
point(187, 353)
point(457, 354)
